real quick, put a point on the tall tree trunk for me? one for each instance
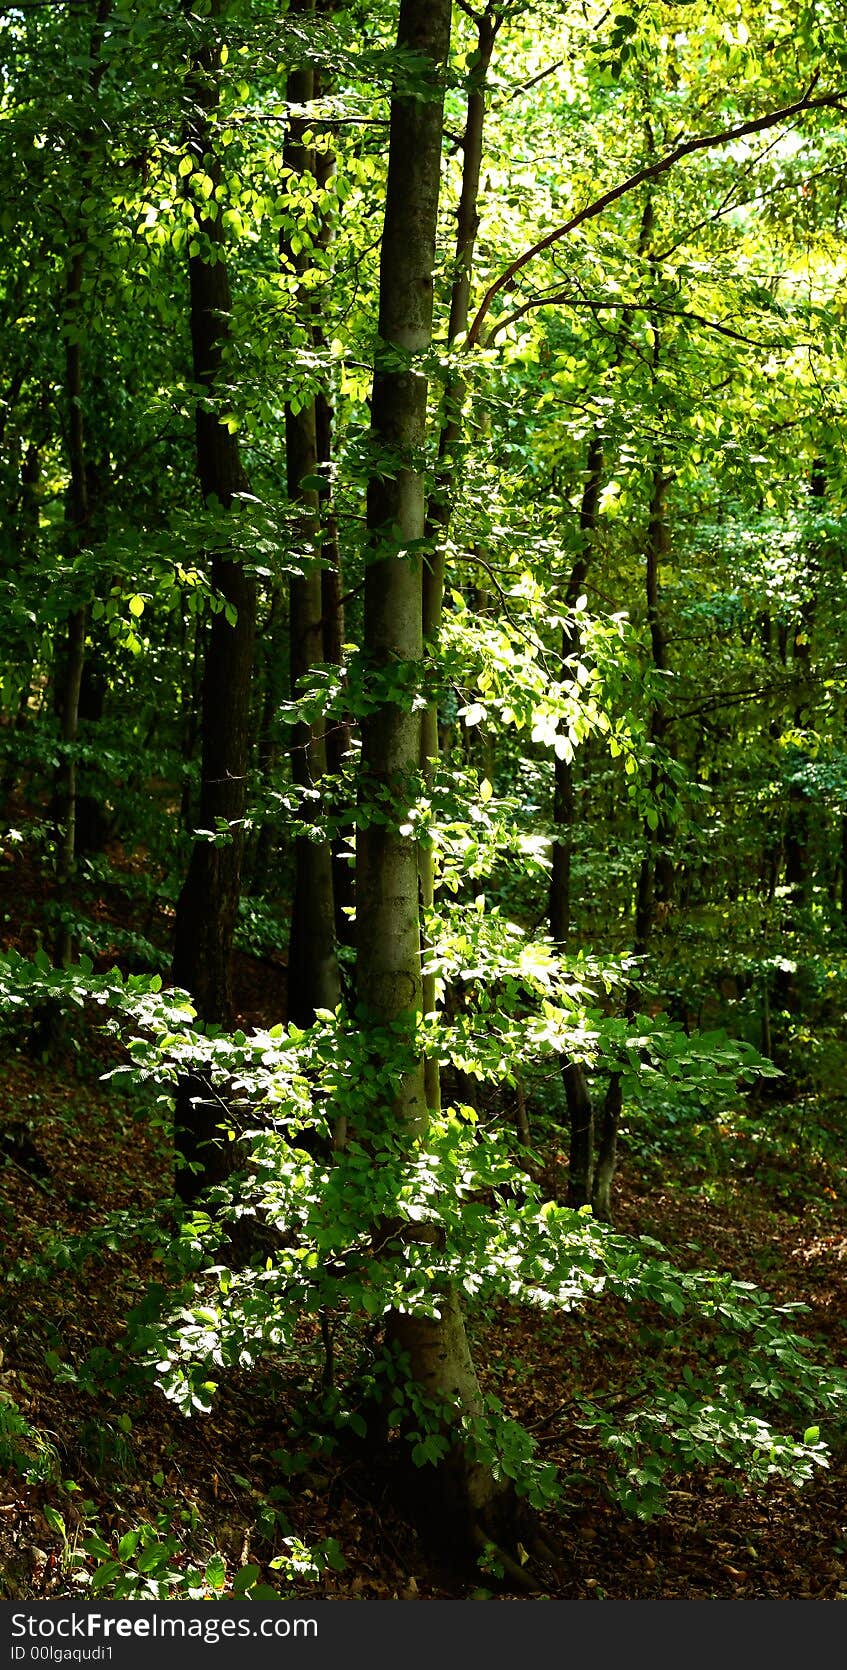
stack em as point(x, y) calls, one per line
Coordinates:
point(574, 1077)
point(189, 701)
point(798, 820)
point(578, 1096)
point(77, 508)
point(388, 924)
point(559, 901)
point(655, 877)
point(655, 881)
point(28, 523)
point(312, 966)
point(73, 657)
point(440, 506)
point(339, 732)
point(271, 686)
point(208, 903)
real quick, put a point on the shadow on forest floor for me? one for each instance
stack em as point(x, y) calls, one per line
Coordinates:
point(108, 1459)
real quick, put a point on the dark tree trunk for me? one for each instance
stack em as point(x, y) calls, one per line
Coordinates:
point(798, 819)
point(339, 731)
point(607, 1151)
point(78, 508)
point(312, 966)
point(581, 1119)
point(190, 695)
point(73, 657)
point(271, 687)
point(559, 902)
point(27, 541)
point(574, 1078)
point(208, 903)
point(655, 879)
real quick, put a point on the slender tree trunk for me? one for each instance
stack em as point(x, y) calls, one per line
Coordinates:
point(766, 1040)
point(339, 731)
point(655, 878)
point(574, 1078)
point(190, 695)
point(208, 904)
point(28, 535)
point(580, 1105)
point(559, 901)
point(578, 1097)
point(655, 881)
point(77, 507)
point(312, 967)
point(521, 1114)
point(449, 440)
point(77, 518)
point(389, 939)
point(271, 686)
point(450, 433)
point(607, 1151)
point(798, 821)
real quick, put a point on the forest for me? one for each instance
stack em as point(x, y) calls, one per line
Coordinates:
point(423, 783)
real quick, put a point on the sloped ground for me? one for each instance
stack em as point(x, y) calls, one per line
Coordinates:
point(115, 1458)
point(89, 1156)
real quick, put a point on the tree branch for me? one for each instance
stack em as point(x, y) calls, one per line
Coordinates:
point(567, 299)
point(651, 171)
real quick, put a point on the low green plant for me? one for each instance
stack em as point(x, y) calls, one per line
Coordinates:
point(24, 1449)
point(156, 1561)
point(395, 1220)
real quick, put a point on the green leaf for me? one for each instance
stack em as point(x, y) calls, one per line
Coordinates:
point(215, 1572)
point(110, 1572)
point(245, 1579)
point(97, 1547)
point(155, 1554)
point(55, 1521)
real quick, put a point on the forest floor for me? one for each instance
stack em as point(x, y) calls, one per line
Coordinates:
point(115, 1457)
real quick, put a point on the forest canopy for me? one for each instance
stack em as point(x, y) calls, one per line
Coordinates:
point(424, 790)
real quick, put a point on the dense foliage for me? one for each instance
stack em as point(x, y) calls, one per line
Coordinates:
point(421, 565)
